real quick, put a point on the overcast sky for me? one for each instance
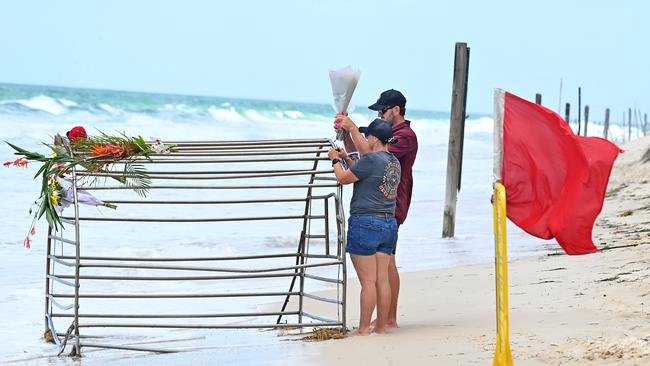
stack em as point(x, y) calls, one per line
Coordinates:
point(282, 49)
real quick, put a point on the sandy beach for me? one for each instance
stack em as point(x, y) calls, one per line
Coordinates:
point(564, 310)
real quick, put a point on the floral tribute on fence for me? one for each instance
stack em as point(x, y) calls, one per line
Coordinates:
point(95, 154)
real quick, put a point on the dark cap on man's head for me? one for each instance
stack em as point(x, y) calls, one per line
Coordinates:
point(380, 129)
point(388, 99)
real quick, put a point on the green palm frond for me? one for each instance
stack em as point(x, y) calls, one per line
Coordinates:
point(136, 178)
point(132, 173)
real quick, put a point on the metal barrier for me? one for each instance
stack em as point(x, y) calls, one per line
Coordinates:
point(107, 291)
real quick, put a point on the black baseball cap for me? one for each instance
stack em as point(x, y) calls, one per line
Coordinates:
point(380, 129)
point(388, 99)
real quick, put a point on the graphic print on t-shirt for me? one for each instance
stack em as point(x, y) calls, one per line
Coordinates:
point(390, 182)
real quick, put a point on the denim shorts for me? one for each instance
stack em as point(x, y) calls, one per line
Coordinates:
point(369, 234)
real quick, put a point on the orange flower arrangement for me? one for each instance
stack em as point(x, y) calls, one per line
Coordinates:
point(94, 153)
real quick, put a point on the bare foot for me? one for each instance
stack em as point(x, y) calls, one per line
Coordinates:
point(389, 324)
point(380, 330)
point(362, 332)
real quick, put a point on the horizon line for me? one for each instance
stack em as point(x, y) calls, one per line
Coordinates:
point(97, 89)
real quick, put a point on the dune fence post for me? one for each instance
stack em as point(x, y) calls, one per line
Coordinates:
point(623, 128)
point(636, 122)
point(586, 118)
point(629, 124)
point(567, 111)
point(456, 134)
point(606, 128)
point(579, 108)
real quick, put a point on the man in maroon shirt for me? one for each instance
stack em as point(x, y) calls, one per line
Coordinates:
point(391, 106)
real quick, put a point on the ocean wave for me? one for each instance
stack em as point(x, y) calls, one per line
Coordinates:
point(257, 116)
point(226, 114)
point(68, 103)
point(109, 108)
point(41, 103)
point(180, 108)
point(41, 113)
point(293, 114)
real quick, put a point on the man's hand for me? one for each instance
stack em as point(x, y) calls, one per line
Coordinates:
point(345, 123)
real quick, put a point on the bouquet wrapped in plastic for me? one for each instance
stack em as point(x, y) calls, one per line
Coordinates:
point(344, 81)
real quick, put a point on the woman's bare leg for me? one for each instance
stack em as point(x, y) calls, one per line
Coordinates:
point(366, 268)
point(383, 291)
point(393, 277)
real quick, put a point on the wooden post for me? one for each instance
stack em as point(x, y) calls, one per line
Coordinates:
point(623, 129)
point(606, 123)
point(538, 98)
point(629, 124)
point(456, 128)
point(637, 122)
point(559, 103)
point(586, 118)
point(567, 110)
point(579, 108)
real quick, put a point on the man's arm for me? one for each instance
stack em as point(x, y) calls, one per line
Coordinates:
point(359, 141)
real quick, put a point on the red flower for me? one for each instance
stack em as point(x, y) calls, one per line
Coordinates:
point(20, 162)
point(77, 132)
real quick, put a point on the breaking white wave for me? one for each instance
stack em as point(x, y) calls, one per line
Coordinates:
point(41, 103)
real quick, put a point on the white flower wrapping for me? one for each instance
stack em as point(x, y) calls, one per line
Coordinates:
point(343, 81)
point(82, 195)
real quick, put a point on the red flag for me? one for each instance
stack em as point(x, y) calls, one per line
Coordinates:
point(555, 181)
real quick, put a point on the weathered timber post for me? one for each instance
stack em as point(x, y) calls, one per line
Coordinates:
point(579, 108)
point(456, 131)
point(586, 118)
point(623, 129)
point(629, 124)
point(606, 123)
point(567, 111)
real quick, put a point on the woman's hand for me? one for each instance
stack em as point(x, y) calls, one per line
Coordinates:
point(343, 154)
point(332, 153)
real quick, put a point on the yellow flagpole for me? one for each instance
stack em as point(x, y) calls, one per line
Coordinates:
point(502, 354)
